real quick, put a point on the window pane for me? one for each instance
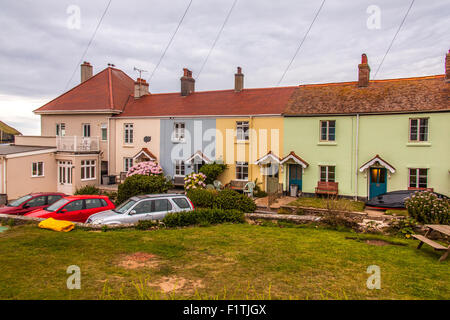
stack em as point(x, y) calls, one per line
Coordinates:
point(182, 203)
point(37, 202)
point(74, 205)
point(413, 130)
point(332, 131)
point(162, 205)
point(423, 130)
point(93, 203)
point(143, 207)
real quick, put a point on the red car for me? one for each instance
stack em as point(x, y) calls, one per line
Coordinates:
point(31, 202)
point(74, 208)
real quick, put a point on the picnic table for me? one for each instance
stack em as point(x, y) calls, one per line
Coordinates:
point(441, 228)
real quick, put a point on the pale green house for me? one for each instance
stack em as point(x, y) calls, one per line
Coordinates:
point(366, 138)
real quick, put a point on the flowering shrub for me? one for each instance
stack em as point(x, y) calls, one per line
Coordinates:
point(148, 168)
point(426, 207)
point(194, 181)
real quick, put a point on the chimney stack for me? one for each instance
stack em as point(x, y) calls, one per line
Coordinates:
point(86, 71)
point(187, 83)
point(447, 67)
point(140, 88)
point(364, 72)
point(239, 80)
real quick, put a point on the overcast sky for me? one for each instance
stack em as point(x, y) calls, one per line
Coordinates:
point(41, 44)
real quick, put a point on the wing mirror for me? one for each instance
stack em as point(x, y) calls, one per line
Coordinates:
point(25, 206)
point(132, 212)
point(62, 211)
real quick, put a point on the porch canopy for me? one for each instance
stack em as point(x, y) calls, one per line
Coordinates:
point(197, 157)
point(268, 158)
point(144, 155)
point(292, 157)
point(377, 160)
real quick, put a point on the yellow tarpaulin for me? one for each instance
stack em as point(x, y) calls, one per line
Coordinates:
point(56, 225)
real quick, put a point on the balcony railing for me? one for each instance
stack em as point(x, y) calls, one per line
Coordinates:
point(77, 144)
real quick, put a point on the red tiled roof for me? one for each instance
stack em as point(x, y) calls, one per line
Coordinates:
point(108, 90)
point(224, 102)
point(381, 96)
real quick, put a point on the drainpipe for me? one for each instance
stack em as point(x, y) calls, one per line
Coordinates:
point(356, 156)
point(4, 175)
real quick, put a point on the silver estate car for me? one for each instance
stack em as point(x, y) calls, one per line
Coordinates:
point(145, 207)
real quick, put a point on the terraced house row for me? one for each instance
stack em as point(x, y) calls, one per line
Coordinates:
point(358, 139)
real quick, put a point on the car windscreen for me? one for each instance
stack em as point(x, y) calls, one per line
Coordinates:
point(58, 204)
point(20, 201)
point(124, 206)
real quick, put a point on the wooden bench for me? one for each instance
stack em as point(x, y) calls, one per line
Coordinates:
point(324, 187)
point(237, 184)
point(178, 181)
point(444, 229)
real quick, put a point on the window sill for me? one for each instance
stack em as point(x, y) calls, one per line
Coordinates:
point(91, 179)
point(241, 141)
point(418, 144)
point(127, 146)
point(178, 141)
point(37, 176)
point(327, 143)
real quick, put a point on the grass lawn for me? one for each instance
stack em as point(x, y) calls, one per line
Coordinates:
point(339, 204)
point(225, 261)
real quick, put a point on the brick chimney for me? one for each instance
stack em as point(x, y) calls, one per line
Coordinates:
point(187, 83)
point(86, 71)
point(447, 67)
point(140, 88)
point(364, 72)
point(239, 80)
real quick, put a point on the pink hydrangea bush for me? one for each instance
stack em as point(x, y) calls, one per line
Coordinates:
point(195, 181)
point(147, 168)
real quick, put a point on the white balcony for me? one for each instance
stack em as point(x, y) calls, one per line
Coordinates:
point(78, 144)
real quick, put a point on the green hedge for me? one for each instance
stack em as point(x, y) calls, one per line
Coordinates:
point(225, 199)
point(141, 184)
point(212, 171)
point(231, 199)
point(203, 216)
point(88, 190)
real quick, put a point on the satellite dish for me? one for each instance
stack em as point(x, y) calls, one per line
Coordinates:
point(147, 139)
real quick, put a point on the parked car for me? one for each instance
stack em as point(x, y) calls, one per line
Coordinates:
point(74, 208)
point(30, 202)
point(146, 207)
point(394, 199)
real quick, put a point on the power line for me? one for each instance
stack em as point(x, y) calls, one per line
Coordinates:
point(170, 41)
point(393, 39)
point(89, 44)
point(217, 37)
point(301, 43)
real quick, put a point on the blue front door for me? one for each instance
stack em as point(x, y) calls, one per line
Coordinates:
point(295, 175)
point(377, 182)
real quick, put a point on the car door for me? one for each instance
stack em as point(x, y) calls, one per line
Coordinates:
point(160, 208)
point(39, 202)
point(71, 212)
point(93, 206)
point(141, 211)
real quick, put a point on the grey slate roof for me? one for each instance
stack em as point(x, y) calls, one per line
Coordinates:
point(6, 149)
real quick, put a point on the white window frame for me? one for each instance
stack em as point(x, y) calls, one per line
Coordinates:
point(417, 170)
point(179, 132)
point(327, 173)
point(240, 176)
point(60, 129)
point(419, 125)
point(180, 168)
point(327, 139)
point(104, 128)
point(86, 127)
point(86, 168)
point(127, 163)
point(37, 175)
point(241, 133)
point(128, 133)
point(65, 172)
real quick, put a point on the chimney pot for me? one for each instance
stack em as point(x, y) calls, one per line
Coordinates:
point(363, 72)
point(86, 71)
point(187, 83)
point(239, 80)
